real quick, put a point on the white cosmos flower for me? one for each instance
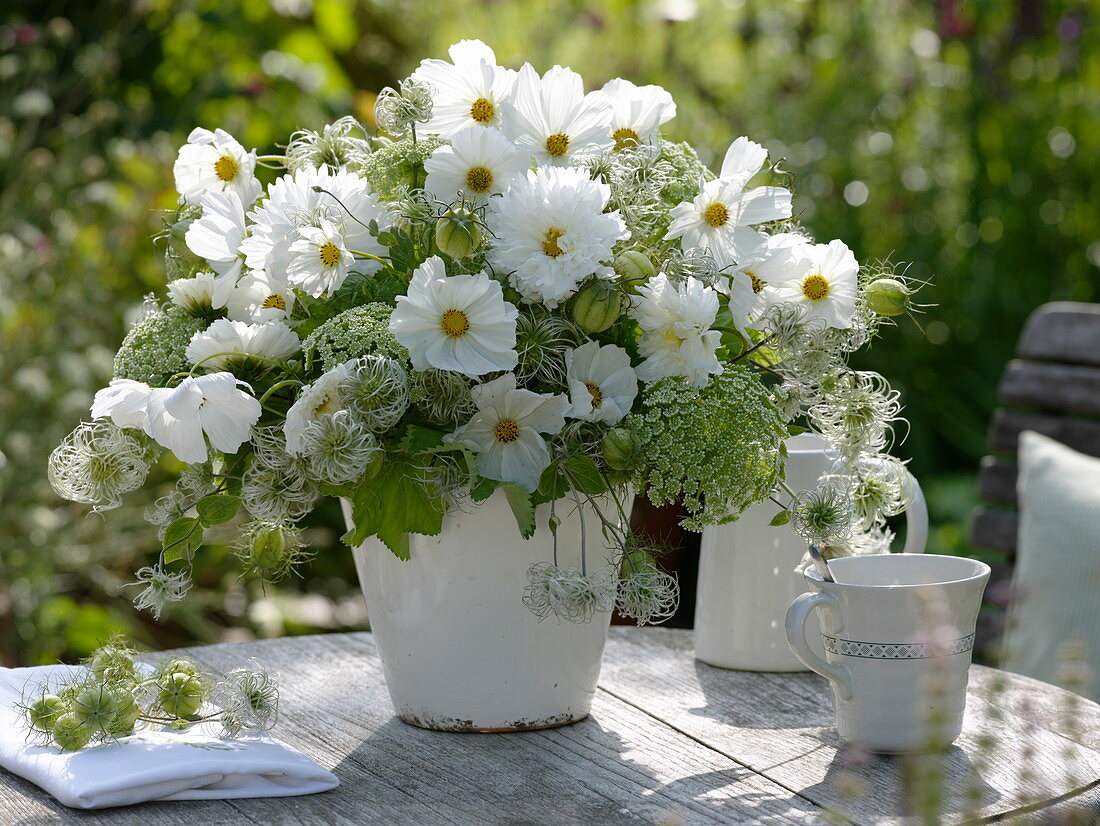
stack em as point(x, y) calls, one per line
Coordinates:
point(478, 163)
point(460, 323)
point(505, 431)
point(637, 112)
point(123, 401)
point(744, 157)
point(178, 417)
point(779, 258)
point(471, 91)
point(676, 336)
point(602, 384)
point(195, 295)
point(258, 297)
point(226, 345)
point(215, 162)
point(320, 261)
point(292, 204)
point(217, 236)
point(554, 120)
point(552, 233)
point(321, 398)
point(826, 287)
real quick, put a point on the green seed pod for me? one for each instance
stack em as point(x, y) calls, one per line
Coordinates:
point(70, 733)
point(44, 711)
point(634, 269)
point(95, 707)
point(458, 233)
point(267, 549)
point(597, 306)
point(111, 661)
point(888, 296)
point(621, 450)
point(181, 694)
point(126, 714)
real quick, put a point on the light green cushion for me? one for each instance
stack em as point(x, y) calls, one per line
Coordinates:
point(1057, 578)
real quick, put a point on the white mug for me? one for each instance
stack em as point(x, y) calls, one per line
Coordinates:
point(898, 631)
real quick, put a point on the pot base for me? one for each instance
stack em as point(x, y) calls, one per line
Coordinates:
point(466, 726)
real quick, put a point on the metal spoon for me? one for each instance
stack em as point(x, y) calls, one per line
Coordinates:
point(821, 564)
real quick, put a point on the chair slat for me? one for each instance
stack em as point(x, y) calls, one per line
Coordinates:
point(994, 530)
point(1007, 425)
point(997, 480)
point(1051, 387)
point(1063, 331)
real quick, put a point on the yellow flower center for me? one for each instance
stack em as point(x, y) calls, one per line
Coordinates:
point(274, 302)
point(327, 405)
point(479, 179)
point(482, 110)
point(454, 323)
point(624, 138)
point(550, 242)
point(716, 215)
point(597, 394)
point(330, 254)
point(672, 338)
point(757, 284)
point(557, 145)
point(225, 168)
point(506, 431)
point(815, 287)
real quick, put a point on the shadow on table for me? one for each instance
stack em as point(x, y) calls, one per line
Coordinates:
point(782, 700)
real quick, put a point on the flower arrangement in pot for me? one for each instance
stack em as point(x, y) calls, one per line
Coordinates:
point(484, 330)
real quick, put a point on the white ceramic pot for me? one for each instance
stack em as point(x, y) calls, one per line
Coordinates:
point(460, 650)
point(748, 577)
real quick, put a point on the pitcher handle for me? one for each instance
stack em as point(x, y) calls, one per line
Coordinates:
point(839, 675)
point(916, 519)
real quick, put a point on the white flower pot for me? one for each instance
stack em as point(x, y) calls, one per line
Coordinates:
point(460, 650)
point(748, 577)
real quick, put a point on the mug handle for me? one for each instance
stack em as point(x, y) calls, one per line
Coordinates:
point(916, 519)
point(797, 614)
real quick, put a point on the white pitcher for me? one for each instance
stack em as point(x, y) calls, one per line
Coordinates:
point(747, 575)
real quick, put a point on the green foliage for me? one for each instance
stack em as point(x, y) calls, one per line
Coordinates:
point(391, 504)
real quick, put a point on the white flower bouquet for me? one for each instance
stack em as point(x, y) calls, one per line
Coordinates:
point(517, 285)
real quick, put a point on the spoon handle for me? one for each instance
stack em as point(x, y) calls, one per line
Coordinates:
point(820, 563)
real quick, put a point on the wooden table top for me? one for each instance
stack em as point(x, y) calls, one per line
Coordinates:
point(670, 741)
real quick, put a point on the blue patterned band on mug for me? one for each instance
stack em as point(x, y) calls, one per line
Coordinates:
point(896, 650)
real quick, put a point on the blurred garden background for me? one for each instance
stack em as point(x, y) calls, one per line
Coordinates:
point(963, 138)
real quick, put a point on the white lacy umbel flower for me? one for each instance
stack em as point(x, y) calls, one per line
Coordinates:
point(471, 91)
point(479, 162)
point(212, 407)
point(215, 162)
point(602, 384)
point(722, 216)
point(258, 297)
point(676, 336)
point(293, 206)
point(552, 233)
point(554, 120)
point(460, 323)
point(826, 286)
point(321, 398)
point(194, 295)
point(506, 431)
point(227, 345)
point(217, 236)
point(320, 261)
point(123, 401)
point(637, 112)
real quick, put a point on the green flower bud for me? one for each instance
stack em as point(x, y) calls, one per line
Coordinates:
point(621, 449)
point(44, 711)
point(888, 296)
point(597, 306)
point(126, 714)
point(458, 233)
point(95, 707)
point(634, 269)
point(268, 548)
point(181, 694)
point(70, 732)
point(111, 661)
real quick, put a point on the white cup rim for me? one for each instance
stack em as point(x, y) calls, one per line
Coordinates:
point(981, 571)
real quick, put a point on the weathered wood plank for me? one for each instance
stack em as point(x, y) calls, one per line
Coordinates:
point(997, 480)
point(1063, 331)
point(994, 529)
point(781, 725)
point(1007, 425)
point(1060, 388)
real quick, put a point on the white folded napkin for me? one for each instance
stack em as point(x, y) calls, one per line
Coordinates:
point(150, 764)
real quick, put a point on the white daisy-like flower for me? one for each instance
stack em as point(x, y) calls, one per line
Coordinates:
point(123, 401)
point(676, 336)
point(226, 345)
point(554, 120)
point(212, 407)
point(826, 288)
point(505, 431)
point(195, 295)
point(637, 112)
point(552, 233)
point(479, 162)
point(321, 398)
point(602, 384)
point(460, 323)
point(470, 91)
point(217, 236)
point(215, 162)
point(721, 217)
point(778, 258)
point(259, 297)
point(320, 260)
point(293, 204)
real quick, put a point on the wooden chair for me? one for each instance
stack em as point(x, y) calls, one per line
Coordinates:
point(1053, 388)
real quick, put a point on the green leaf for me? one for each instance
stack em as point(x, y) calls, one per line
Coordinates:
point(522, 509)
point(418, 439)
point(181, 539)
point(781, 518)
point(483, 488)
point(217, 509)
point(796, 429)
point(346, 491)
point(392, 504)
point(585, 476)
point(552, 485)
